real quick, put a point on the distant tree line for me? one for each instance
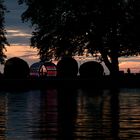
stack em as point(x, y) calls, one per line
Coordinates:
point(106, 29)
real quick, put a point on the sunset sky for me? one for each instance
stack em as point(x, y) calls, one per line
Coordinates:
point(18, 35)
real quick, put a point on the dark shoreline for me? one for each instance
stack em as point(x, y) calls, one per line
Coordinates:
point(105, 82)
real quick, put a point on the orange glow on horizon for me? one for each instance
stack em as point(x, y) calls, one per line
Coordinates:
point(21, 51)
point(29, 54)
point(24, 52)
point(134, 66)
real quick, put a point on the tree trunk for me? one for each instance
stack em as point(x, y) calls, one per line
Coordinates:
point(113, 63)
point(114, 70)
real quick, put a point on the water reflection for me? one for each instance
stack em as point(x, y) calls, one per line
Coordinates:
point(75, 114)
point(22, 114)
point(67, 110)
point(130, 114)
point(3, 116)
point(98, 115)
point(48, 122)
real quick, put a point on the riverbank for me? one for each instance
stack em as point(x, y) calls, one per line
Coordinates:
point(40, 83)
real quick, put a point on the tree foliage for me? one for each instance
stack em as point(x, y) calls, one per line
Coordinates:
point(110, 28)
point(3, 39)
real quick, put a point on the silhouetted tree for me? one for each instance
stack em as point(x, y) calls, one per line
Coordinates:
point(108, 29)
point(3, 39)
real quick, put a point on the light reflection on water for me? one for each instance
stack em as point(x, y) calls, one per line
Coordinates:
point(74, 114)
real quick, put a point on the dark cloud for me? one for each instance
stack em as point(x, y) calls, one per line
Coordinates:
point(13, 22)
point(19, 41)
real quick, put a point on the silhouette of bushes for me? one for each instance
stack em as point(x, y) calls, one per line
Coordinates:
point(91, 69)
point(67, 67)
point(16, 68)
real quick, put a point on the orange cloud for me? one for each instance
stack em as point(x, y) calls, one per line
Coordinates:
point(19, 51)
point(25, 52)
point(134, 66)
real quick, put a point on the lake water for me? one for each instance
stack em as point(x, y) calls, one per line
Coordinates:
point(70, 114)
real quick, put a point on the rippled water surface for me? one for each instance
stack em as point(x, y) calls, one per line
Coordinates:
point(70, 114)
